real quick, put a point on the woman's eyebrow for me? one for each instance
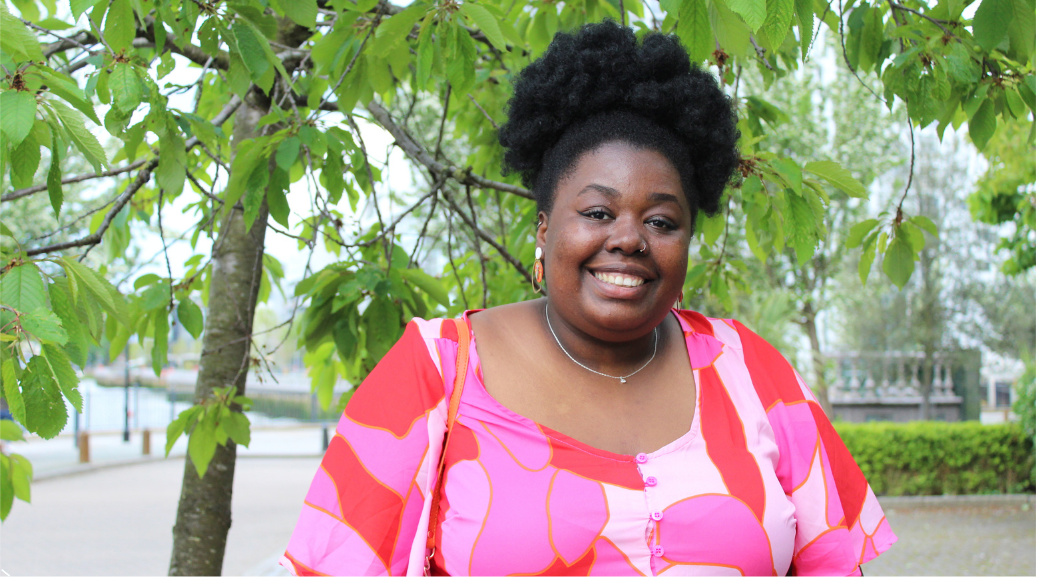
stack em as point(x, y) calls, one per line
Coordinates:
point(664, 198)
point(607, 191)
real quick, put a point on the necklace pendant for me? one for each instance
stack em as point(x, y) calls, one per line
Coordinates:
point(622, 380)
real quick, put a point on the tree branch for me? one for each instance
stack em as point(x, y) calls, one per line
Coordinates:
point(142, 178)
point(73, 179)
point(419, 154)
point(488, 238)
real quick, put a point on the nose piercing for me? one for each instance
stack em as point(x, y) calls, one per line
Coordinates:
point(644, 246)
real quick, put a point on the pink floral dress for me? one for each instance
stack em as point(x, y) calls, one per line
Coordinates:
point(760, 484)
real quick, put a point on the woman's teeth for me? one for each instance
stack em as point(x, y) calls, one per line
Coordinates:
point(620, 280)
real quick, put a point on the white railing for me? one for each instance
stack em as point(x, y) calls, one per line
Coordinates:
point(888, 377)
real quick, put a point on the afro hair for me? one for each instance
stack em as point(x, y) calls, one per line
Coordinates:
point(600, 85)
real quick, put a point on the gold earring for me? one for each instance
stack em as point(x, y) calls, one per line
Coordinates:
point(680, 301)
point(538, 271)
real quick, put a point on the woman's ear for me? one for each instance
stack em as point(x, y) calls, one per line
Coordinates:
point(541, 233)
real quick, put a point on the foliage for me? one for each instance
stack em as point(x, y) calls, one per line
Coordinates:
point(936, 458)
point(209, 423)
point(1006, 194)
point(1025, 405)
point(425, 74)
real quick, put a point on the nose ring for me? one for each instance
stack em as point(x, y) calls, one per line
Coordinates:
point(644, 247)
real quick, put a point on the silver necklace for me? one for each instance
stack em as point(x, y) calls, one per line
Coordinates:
point(623, 379)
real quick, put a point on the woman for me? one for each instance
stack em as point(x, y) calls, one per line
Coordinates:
point(597, 430)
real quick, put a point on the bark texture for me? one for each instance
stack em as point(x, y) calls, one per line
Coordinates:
point(204, 515)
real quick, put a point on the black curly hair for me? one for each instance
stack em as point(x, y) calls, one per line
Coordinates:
point(599, 85)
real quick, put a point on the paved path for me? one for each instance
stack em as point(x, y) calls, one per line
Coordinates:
point(957, 538)
point(118, 521)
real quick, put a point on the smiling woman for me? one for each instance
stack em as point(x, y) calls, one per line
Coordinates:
point(597, 430)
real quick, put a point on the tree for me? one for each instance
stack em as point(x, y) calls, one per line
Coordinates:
point(295, 80)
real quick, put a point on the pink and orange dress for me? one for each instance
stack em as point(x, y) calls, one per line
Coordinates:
point(760, 484)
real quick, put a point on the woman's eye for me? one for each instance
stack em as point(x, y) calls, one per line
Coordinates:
point(596, 214)
point(662, 224)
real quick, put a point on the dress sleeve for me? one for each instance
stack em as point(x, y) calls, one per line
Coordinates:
point(839, 522)
point(367, 501)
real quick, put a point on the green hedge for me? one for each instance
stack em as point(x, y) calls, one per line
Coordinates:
point(936, 458)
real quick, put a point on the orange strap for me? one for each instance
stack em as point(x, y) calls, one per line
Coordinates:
point(451, 417)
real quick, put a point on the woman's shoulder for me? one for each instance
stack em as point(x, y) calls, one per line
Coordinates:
point(729, 332)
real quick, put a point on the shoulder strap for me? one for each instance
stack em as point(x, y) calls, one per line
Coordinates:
point(451, 417)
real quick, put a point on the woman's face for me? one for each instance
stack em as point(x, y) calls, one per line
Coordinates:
point(616, 200)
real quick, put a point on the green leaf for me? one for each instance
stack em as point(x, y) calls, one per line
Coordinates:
point(276, 200)
point(160, 347)
point(255, 193)
point(859, 231)
point(302, 12)
point(120, 26)
point(779, 17)
point(395, 29)
point(6, 487)
point(172, 162)
point(250, 47)
point(45, 411)
point(25, 160)
point(237, 426)
point(54, 190)
point(694, 31)
point(991, 22)
point(42, 324)
point(190, 316)
point(926, 224)
point(176, 427)
point(838, 177)
point(485, 22)
point(913, 235)
point(983, 124)
point(248, 157)
point(753, 12)
point(99, 289)
point(288, 152)
point(61, 370)
point(805, 15)
point(80, 6)
point(17, 39)
point(12, 392)
point(382, 324)
point(17, 113)
point(867, 260)
point(9, 431)
point(22, 288)
point(21, 477)
point(126, 87)
point(961, 67)
point(201, 445)
point(61, 302)
point(788, 168)
point(84, 140)
point(899, 261)
point(427, 283)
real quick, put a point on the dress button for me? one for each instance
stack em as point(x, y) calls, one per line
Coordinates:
point(641, 458)
point(651, 481)
point(657, 516)
point(658, 551)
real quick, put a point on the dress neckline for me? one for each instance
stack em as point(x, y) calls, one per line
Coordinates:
point(475, 370)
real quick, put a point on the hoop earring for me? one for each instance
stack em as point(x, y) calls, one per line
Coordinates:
point(538, 271)
point(680, 301)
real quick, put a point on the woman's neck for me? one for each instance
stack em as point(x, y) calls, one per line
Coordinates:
point(615, 358)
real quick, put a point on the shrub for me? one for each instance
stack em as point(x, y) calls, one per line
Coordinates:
point(936, 458)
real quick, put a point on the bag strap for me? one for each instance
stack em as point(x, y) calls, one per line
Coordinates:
point(451, 417)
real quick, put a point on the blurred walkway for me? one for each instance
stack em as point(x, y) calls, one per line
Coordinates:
point(117, 520)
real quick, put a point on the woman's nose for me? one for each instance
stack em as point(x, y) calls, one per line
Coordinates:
point(626, 237)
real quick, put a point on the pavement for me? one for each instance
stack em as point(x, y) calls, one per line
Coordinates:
point(114, 516)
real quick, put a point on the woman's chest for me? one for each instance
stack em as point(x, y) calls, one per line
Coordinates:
point(522, 500)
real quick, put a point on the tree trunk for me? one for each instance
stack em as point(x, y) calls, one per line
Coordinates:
point(203, 517)
point(820, 386)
